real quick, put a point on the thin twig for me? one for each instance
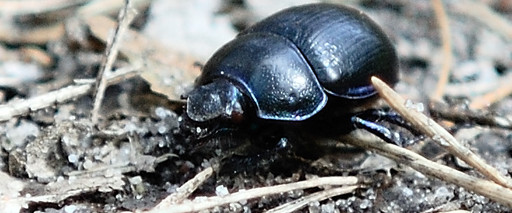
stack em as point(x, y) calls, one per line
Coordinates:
point(21, 107)
point(317, 196)
point(404, 156)
point(126, 16)
point(210, 202)
point(438, 133)
point(185, 190)
point(465, 115)
point(503, 90)
point(444, 27)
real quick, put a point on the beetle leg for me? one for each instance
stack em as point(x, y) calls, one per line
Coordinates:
point(390, 116)
point(380, 131)
point(368, 120)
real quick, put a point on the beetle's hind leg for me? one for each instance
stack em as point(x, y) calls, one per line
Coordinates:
point(369, 120)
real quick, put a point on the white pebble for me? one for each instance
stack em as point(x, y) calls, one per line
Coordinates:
point(73, 158)
point(70, 209)
point(221, 191)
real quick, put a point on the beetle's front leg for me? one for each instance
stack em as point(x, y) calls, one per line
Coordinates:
point(369, 121)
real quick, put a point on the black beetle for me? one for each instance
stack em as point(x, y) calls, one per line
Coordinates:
point(293, 66)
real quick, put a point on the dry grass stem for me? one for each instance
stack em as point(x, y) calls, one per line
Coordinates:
point(404, 156)
point(209, 202)
point(464, 115)
point(185, 190)
point(21, 107)
point(438, 134)
point(444, 27)
point(126, 16)
point(502, 91)
point(317, 196)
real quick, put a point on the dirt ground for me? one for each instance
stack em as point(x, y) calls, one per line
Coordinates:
point(90, 113)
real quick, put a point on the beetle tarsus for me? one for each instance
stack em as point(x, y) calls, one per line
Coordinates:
point(392, 117)
point(368, 120)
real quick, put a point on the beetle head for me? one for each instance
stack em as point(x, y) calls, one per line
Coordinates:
point(219, 99)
